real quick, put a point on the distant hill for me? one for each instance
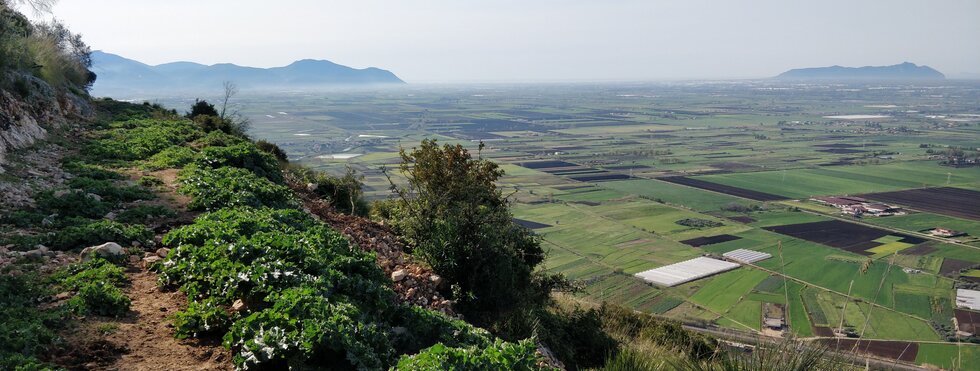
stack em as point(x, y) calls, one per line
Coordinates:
point(122, 76)
point(904, 71)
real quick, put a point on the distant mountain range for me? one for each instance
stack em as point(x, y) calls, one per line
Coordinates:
point(122, 76)
point(904, 71)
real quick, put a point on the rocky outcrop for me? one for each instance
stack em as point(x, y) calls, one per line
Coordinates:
point(30, 109)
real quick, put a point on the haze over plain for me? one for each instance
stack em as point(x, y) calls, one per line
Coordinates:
point(542, 40)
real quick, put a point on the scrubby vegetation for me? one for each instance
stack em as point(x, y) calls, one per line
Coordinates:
point(25, 331)
point(97, 284)
point(48, 51)
point(698, 223)
point(458, 222)
point(299, 286)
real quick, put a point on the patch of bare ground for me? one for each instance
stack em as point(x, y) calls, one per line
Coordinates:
point(148, 333)
point(141, 340)
point(144, 338)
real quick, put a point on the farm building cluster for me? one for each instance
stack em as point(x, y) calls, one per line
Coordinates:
point(858, 206)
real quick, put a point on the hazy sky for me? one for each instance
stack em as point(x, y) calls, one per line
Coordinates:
point(539, 40)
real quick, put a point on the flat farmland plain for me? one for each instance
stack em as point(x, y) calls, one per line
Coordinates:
point(605, 172)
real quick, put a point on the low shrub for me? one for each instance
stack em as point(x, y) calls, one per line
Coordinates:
point(217, 139)
point(74, 276)
point(637, 326)
point(141, 139)
point(100, 232)
point(576, 336)
point(101, 298)
point(82, 169)
point(109, 191)
point(23, 218)
point(149, 181)
point(344, 193)
point(25, 330)
point(423, 328)
point(498, 356)
point(303, 327)
point(212, 189)
point(97, 284)
point(172, 157)
point(210, 123)
point(201, 319)
point(272, 149)
point(698, 223)
point(245, 156)
point(75, 203)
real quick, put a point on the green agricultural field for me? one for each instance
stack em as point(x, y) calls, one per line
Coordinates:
point(693, 198)
point(651, 216)
point(873, 323)
point(745, 313)
point(952, 356)
point(726, 289)
point(888, 249)
point(922, 222)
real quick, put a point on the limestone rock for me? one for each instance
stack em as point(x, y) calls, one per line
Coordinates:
point(399, 275)
point(106, 250)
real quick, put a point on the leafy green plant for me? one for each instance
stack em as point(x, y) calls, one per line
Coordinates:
point(22, 218)
point(498, 356)
point(149, 181)
point(201, 319)
point(74, 203)
point(213, 189)
point(302, 327)
point(101, 298)
point(173, 157)
point(249, 258)
point(218, 139)
point(245, 156)
point(25, 330)
point(83, 169)
point(97, 284)
point(100, 232)
point(141, 139)
point(74, 276)
point(109, 191)
point(424, 328)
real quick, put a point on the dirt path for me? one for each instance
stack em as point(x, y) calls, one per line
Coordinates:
point(147, 333)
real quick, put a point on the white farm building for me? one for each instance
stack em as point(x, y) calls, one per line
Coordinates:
point(686, 271)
